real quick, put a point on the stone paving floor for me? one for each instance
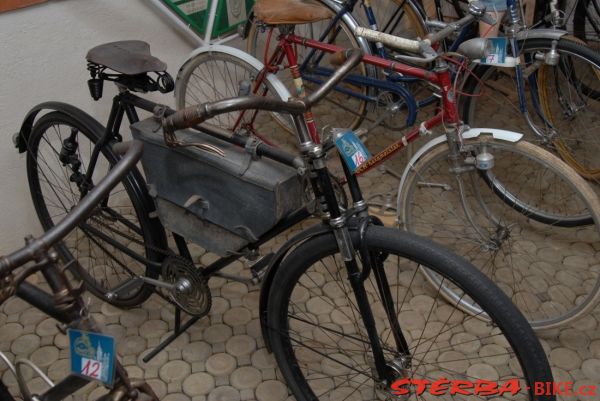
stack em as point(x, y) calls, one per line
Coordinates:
point(223, 357)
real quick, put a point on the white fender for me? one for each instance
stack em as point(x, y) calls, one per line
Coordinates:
point(501, 134)
point(279, 87)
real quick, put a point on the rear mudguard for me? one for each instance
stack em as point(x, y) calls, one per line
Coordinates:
point(22, 137)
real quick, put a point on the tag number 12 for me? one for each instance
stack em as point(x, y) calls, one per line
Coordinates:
point(90, 367)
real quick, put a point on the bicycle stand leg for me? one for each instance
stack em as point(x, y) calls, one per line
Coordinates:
point(177, 331)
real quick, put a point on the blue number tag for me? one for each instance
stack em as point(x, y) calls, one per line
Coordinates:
point(351, 148)
point(498, 54)
point(93, 355)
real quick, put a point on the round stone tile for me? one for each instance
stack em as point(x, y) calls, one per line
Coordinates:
point(245, 377)
point(159, 359)
point(271, 390)
point(217, 333)
point(10, 331)
point(253, 329)
point(251, 300)
point(234, 290)
point(240, 345)
point(132, 345)
point(574, 339)
point(25, 344)
point(159, 387)
point(220, 364)
point(29, 317)
point(483, 371)
point(115, 330)
point(237, 316)
point(15, 305)
point(411, 320)
point(466, 343)
point(224, 393)
point(198, 384)
point(565, 358)
point(422, 304)
point(262, 359)
point(586, 323)
point(494, 354)
point(196, 351)
point(97, 393)
point(174, 371)
point(153, 328)
point(319, 305)
point(591, 368)
point(44, 356)
point(46, 328)
point(176, 397)
point(595, 349)
point(219, 306)
point(133, 318)
point(178, 344)
point(109, 310)
point(59, 370)
point(453, 361)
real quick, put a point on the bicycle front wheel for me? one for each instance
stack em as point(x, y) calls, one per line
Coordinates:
point(321, 343)
point(563, 101)
point(119, 240)
point(518, 222)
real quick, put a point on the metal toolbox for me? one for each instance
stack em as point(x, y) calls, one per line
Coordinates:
point(220, 203)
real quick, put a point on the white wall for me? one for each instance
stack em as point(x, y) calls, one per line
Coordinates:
point(42, 57)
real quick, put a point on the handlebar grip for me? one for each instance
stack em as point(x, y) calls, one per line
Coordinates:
point(396, 42)
point(78, 213)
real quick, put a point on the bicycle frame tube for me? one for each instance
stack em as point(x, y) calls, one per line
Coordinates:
point(448, 113)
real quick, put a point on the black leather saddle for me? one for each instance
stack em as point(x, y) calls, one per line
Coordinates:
point(129, 57)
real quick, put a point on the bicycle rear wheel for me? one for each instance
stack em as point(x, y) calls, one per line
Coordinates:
point(103, 245)
point(568, 95)
point(546, 265)
point(320, 340)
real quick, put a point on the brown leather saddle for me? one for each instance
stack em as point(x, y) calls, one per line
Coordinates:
point(129, 57)
point(277, 12)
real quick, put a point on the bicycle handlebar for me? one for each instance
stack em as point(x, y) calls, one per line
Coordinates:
point(194, 115)
point(423, 47)
point(132, 152)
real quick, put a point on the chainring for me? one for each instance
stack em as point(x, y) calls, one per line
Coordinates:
point(190, 291)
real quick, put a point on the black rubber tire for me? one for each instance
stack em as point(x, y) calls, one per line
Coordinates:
point(586, 21)
point(149, 231)
point(5, 395)
point(390, 242)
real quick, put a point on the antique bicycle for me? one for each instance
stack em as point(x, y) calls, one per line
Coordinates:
point(224, 195)
point(64, 302)
point(522, 210)
point(549, 63)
